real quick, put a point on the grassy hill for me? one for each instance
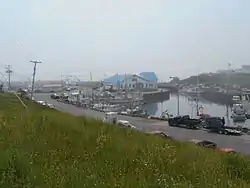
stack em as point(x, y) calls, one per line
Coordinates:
point(220, 79)
point(42, 147)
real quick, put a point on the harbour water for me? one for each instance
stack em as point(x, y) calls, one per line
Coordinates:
point(188, 107)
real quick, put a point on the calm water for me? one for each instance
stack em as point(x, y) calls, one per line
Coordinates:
point(188, 107)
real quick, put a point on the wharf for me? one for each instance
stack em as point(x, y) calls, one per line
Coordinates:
point(156, 96)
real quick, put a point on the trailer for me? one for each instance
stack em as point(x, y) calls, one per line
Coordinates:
point(111, 117)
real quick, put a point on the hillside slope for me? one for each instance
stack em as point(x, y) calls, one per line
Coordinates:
point(220, 79)
point(41, 147)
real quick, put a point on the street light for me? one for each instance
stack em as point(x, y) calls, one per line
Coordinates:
point(178, 96)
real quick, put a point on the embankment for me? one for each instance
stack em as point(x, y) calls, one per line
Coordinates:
point(42, 147)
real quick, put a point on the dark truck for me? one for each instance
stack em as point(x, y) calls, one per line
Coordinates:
point(217, 125)
point(54, 96)
point(184, 121)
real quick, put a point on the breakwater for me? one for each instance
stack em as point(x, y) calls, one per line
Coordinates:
point(219, 97)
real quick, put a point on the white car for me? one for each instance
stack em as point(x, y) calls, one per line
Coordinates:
point(125, 123)
point(51, 105)
point(41, 102)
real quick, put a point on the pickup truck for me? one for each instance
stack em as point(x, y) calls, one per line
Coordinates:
point(54, 96)
point(217, 125)
point(184, 121)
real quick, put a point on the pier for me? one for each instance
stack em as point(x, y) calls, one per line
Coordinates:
point(156, 96)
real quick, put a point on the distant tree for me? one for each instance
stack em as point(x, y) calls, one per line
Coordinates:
point(220, 79)
point(175, 80)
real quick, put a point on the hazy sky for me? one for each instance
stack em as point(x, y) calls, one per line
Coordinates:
point(170, 37)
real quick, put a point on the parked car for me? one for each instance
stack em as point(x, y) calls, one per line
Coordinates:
point(161, 134)
point(205, 143)
point(125, 123)
point(227, 150)
point(54, 96)
point(217, 125)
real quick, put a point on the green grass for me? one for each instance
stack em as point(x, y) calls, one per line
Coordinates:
point(41, 147)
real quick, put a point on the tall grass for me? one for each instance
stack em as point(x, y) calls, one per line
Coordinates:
point(41, 147)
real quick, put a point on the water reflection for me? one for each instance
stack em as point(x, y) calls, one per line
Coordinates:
point(152, 108)
point(188, 106)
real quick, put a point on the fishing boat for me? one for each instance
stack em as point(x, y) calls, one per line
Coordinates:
point(239, 117)
point(166, 115)
point(242, 101)
point(107, 107)
point(192, 92)
point(238, 113)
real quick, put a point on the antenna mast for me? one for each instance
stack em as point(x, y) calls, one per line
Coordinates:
point(9, 71)
point(33, 79)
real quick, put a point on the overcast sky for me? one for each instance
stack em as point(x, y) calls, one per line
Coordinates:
point(169, 37)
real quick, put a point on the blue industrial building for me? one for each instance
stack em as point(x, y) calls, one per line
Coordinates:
point(146, 80)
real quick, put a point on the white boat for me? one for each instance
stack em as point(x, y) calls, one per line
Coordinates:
point(245, 102)
point(111, 108)
point(238, 108)
point(165, 115)
point(239, 117)
point(238, 113)
point(236, 99)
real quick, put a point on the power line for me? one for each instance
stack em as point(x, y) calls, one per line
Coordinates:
point(33, 79)
point(8, 71)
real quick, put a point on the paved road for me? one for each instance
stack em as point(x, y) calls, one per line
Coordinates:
point(238, 143)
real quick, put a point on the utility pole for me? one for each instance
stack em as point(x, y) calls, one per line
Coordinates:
point(61, 82)
point(33, 77)
point(227, 89)
point(178, 100)
point(8, 71)
point(2, 81)
point(92, 92)
point(126, 88)
point(228, 76)
point(178, 96)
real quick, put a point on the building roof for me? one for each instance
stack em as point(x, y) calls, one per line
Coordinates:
point(150, 76)
point(51, 85)
point(117, 78)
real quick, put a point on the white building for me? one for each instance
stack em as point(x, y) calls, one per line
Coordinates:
point(51, 88)
point(243, 69)
point(144, 80)
point(137, 82)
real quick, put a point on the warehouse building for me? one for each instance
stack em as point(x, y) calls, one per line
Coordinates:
point(144, 80)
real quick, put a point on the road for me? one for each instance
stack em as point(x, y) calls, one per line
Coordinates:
point(238, 143)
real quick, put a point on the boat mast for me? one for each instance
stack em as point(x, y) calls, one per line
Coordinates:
point(117, 81)
point(178, 99)
point(197, 95)
point(126, 88)
point(227, 88)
